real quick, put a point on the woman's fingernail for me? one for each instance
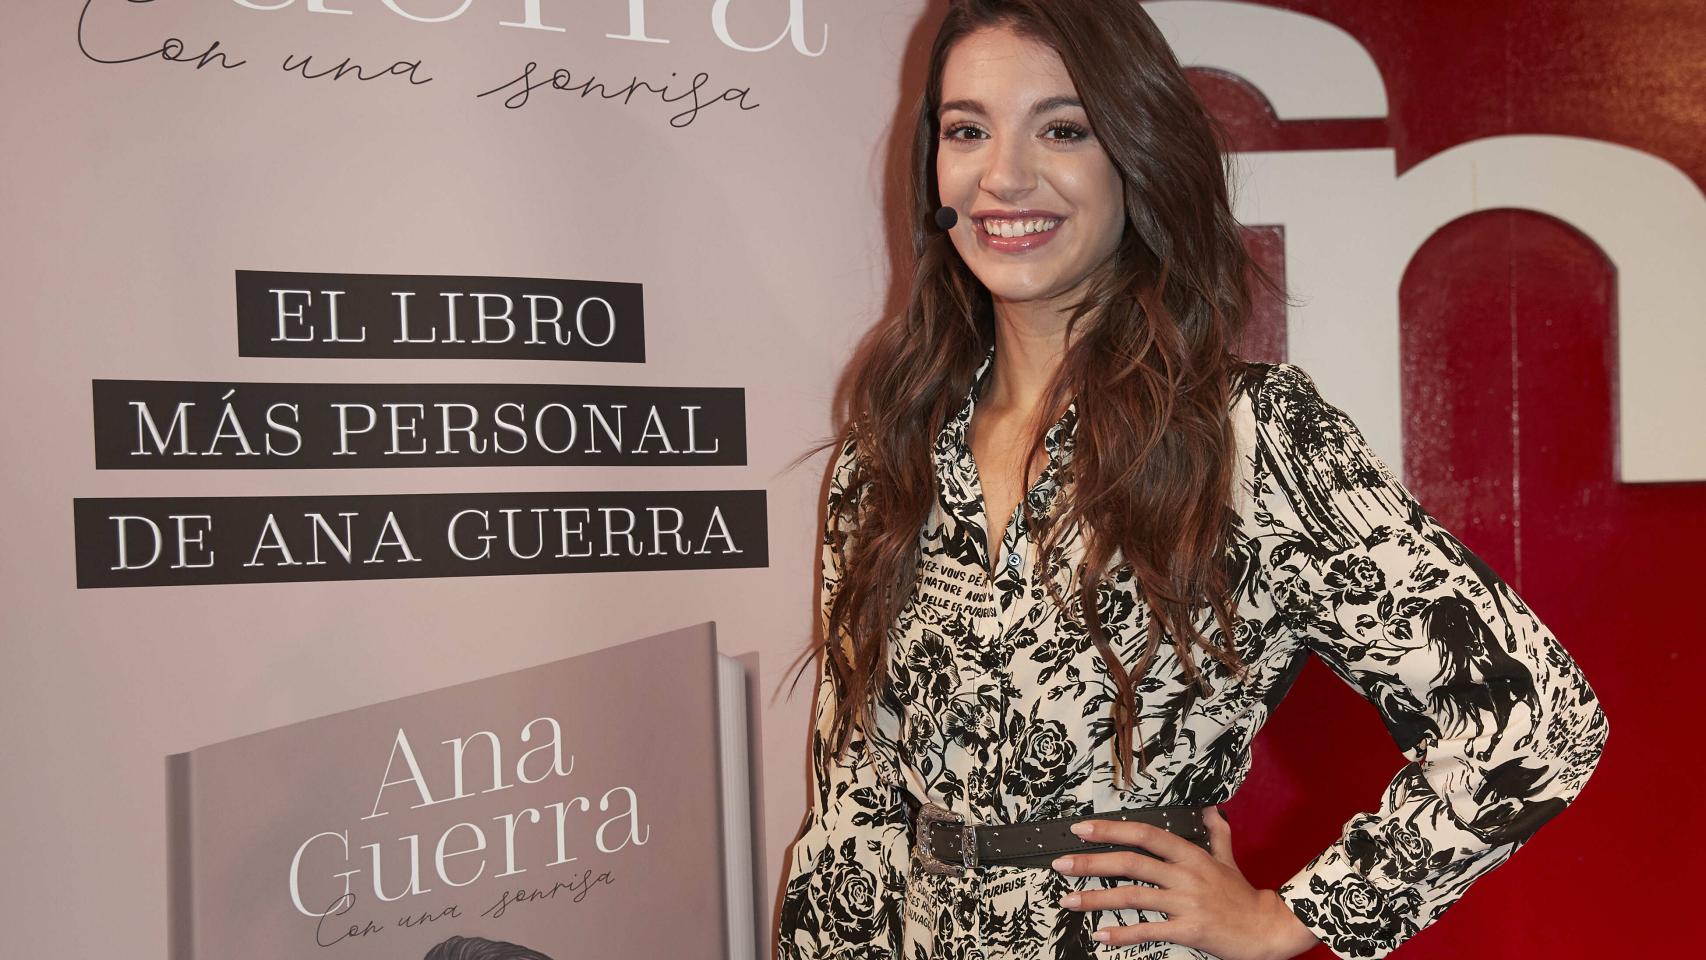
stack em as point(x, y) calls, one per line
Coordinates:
point(1063, 863)
point(1101, 936)
point(1082, 828)
point(1070, 900)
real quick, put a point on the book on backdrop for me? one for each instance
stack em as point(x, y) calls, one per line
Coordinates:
point(594, 807)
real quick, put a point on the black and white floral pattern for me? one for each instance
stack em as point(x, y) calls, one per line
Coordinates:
point(999, 707)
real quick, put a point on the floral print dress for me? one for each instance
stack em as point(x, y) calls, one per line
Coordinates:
point(998, 707)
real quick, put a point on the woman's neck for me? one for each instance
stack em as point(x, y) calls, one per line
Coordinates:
point(1029, 346)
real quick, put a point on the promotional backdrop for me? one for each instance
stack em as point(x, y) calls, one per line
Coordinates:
point(365, 347)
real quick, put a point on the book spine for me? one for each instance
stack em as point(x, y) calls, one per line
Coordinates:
point(180, 889)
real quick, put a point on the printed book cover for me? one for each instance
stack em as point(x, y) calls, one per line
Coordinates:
point(593, 807)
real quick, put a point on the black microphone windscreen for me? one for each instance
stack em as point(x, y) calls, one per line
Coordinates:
point(946, 217)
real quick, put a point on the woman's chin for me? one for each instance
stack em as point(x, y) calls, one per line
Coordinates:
point(1007, 289)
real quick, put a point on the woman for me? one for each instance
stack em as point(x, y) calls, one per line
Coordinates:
point(1179, 530)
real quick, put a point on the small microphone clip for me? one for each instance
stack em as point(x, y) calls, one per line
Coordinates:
point(946, 217)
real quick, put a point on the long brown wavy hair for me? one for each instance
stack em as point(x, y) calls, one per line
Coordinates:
point(1149, 364)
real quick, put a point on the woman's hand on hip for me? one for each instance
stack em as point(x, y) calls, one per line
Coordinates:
point(1208, 903)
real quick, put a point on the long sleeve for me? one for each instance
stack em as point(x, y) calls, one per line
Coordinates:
point(1499, 724)
point(846, 879)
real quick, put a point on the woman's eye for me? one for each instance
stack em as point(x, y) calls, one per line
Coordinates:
point(1073, 131)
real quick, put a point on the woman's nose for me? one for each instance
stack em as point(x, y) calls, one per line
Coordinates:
point(1012, 167)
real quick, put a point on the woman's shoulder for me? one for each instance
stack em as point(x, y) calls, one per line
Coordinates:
point(1280, 416)
point(1268, 384)
point(1287, 423)
point(1282, 397)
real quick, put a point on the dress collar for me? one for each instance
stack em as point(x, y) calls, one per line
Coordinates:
point(951, 440)
point(954, 464)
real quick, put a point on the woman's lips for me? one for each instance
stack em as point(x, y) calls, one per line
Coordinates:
point(1018, 244)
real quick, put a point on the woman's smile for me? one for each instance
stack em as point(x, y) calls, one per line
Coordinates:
point(1016, 231)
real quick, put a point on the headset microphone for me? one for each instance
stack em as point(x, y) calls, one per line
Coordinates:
point(946, 217)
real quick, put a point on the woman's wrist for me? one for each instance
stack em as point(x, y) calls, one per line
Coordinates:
point(1290, 935)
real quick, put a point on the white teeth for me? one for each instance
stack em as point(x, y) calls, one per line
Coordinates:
point(1017, 228)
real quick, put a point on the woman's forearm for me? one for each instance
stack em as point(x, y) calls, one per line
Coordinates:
point(1290, 937)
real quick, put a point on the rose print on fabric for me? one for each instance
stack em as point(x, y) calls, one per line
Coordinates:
point(1355, 579)
point(1045, 760)
point(1360, 917)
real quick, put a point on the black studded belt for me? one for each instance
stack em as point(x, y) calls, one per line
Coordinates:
point(945, 843)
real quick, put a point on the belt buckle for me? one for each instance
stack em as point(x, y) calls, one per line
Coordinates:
point(929, 813)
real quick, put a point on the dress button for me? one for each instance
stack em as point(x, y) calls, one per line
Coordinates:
point(1013, 560)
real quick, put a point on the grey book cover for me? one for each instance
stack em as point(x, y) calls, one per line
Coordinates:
point(575, 809)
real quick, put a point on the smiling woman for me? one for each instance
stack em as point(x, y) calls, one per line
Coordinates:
point(1013, 129)
point(1076, 551)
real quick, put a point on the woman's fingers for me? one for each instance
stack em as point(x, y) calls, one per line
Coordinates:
point(1158, 840)
point(1205, 901)
point(1171, 931)
point(1119, 863)
point(1123, 896)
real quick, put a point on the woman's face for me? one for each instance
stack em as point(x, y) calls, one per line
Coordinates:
point(1041, 204)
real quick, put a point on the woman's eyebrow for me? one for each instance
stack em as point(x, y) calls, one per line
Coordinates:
point(1041, 106)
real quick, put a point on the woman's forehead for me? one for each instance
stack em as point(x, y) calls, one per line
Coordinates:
point(995, 64)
